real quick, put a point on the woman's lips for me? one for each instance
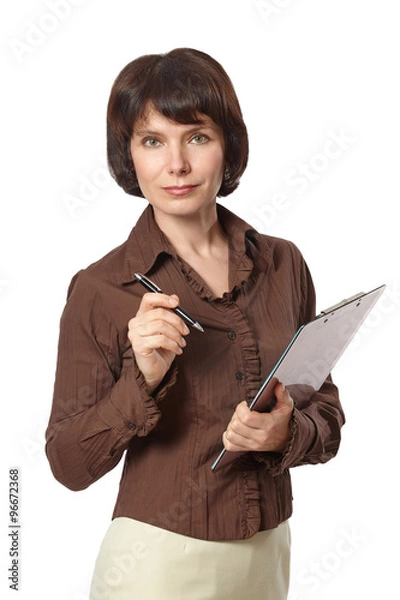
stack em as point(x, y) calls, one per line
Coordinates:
point(179, 190)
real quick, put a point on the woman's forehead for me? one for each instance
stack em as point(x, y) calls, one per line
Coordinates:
point(152, 119)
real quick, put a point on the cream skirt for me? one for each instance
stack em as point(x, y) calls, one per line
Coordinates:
point(137, 560)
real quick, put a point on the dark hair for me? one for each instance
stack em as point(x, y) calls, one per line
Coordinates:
point(182, 85)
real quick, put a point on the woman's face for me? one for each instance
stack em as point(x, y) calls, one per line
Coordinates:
point(179, 167)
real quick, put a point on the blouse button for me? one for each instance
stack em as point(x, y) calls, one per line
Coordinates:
point(239, 376)
point(131, 426)
point(232, 335)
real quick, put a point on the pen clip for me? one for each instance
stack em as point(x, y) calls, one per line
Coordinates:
point(342, 303)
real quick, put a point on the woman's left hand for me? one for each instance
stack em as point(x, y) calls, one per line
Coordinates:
point(261, 432)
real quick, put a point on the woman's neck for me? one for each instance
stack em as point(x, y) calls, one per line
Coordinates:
point(200, 234)
point(202, 243)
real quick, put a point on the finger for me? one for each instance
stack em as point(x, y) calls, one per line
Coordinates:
point(144, 318)
point(230, 442)
point(150, 301)
point(244, 424)
point(244, 414)
point(284, 401)
point(158, 342)
point(235, 442)
point(247, 418)
point(161, 327)
point(148, 336)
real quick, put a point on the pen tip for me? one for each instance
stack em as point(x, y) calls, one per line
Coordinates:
point(198, 326)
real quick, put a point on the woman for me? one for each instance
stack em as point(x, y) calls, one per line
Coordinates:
point(132, 377)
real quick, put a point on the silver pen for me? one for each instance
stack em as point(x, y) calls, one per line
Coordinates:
point(152, 287)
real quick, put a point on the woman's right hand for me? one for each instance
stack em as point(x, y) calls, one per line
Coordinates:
point(156, 334)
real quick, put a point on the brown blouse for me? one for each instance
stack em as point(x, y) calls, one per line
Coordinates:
point(101, 407)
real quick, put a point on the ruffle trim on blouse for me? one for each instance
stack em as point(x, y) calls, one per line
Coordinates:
point(251, 517)
point(251, 362)
point(194, 281)
point(250, 354)
point(252, 372)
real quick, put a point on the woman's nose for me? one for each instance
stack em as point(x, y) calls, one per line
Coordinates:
point(178, 162)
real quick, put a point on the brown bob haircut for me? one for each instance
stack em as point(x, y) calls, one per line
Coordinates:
point(182, 85)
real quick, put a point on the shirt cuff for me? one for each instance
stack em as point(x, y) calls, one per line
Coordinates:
point(131, 408)
point(302, 436)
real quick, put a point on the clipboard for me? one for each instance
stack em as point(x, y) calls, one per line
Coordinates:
point(310, 356)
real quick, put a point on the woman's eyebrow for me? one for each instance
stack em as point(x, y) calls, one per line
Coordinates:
point(194, 127)
point(145, 132)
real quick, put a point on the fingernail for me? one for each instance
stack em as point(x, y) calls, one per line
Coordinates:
point(186, 328)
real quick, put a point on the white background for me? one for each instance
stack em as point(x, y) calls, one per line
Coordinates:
point(306, 72)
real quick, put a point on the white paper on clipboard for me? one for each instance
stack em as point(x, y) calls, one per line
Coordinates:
point(311, 355)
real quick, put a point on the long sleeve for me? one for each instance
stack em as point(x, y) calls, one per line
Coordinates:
point(315, 432)
point(316, 423)
point(100, 399)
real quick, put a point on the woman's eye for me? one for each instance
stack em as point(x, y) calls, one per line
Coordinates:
point(199, 138)
point(151, 142)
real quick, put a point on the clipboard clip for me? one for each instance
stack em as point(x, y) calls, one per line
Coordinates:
point(342, 303)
